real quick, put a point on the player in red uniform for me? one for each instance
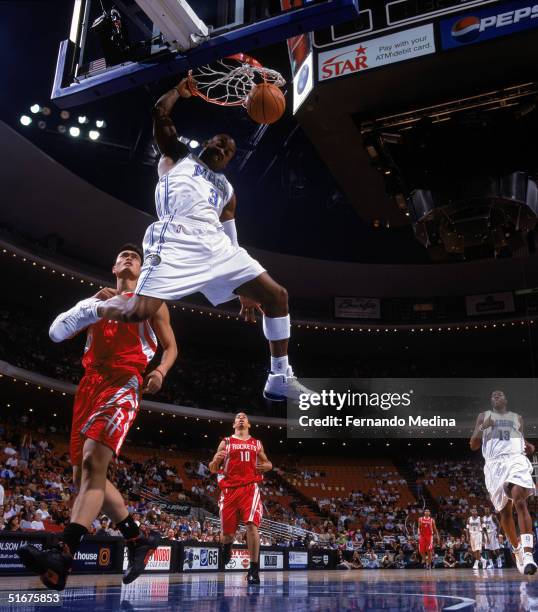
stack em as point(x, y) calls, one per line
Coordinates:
point(426, 530)
point(106, 404)
point(240, 462)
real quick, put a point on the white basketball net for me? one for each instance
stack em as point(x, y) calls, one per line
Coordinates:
point(228, 81)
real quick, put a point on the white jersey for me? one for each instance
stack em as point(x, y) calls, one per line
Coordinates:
point(504, 437)
point(474, 525)
point(192, 191)
point(489, 524)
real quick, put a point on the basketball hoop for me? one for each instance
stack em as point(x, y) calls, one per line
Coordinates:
point(228, 81)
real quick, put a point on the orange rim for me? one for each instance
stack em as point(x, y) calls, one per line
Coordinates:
point(240, 57)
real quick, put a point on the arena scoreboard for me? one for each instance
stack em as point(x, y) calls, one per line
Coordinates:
point(401, 11)
point(375, 16)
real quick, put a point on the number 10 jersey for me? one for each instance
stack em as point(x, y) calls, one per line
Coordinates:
point(239, 466)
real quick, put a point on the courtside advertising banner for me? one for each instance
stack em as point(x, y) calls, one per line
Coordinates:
point(390, 49)
point(160, 560)
point(240, 560)
point(94, 557)
point(298, 559)
point(271, 560)
point(320, 560)
point(200, 559)
point(488, 23)
point(10, 544)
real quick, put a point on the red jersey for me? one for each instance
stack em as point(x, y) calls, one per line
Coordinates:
point(113, 345)
point(239, 467)
point(425, 527)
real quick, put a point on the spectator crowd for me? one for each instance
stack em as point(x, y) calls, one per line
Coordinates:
point(366, 528)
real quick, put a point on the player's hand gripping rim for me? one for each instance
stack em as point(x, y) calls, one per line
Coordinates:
point(183, 88)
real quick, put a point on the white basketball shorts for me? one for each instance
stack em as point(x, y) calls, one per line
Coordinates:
point(475, 541)
point(492, 541)
point(507, 469)
point(182, 257)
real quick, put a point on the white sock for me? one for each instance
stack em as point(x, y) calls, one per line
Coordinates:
point(279, 365)
point(527, 540)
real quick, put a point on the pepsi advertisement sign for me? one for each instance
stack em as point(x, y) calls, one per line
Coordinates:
point(488, 23)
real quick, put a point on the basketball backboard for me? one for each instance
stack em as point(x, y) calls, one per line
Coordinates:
point(117, 46)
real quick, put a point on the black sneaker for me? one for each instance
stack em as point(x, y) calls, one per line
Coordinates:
point(253, 577)
point(139, 551)
point(226, 553)
point(52, 564)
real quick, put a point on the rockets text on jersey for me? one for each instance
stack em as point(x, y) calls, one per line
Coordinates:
point(239, 466)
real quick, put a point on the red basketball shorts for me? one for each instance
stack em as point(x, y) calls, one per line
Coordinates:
point(104, 409)
point(425, 544)
point(240, 504)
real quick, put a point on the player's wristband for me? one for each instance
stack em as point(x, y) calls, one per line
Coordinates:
point(160, 372)
point(231, 231)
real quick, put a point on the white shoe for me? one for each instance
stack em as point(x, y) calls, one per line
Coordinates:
point(490, 565)
point(280, 387)
point(499, 562)
point(475, 566)
point(519, 554)
point(69, 323)
point(529, 566)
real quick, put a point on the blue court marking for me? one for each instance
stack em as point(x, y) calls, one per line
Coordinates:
point(404, 590)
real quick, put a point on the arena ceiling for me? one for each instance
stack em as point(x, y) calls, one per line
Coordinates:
point(333, 114)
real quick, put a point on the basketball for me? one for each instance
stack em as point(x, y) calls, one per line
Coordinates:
point(266, 103)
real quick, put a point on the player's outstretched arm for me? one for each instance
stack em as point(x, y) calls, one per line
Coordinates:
point(220, 455)
point(529, 448)
point(164, 130)
point(263, 464)
point(476, 438)
point(227, 217)
point(165, 334)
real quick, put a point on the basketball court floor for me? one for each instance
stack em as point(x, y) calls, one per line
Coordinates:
point(310, 591)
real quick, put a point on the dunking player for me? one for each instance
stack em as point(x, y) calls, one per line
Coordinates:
point(240, 462)
point(474, 530)
point(426, 530)
point(491, 539)
point(193, 247)
point(508, 474)
point(106, 404)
